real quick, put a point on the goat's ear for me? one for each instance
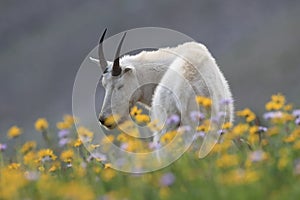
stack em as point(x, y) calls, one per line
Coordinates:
point(128, 69)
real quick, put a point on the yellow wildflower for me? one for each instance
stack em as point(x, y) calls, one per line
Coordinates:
point(77, 143)
point(238, 176)
point(290, 138)
point(239, 129)
point(204, 101)
point(46, 155)
point(30, 159)
point(253, 129)
point(222, 147)
point(108, 139)
point(41, 124)
point(288, 107)
point(122, 137)
point(67, 156)
point(227, 125)
point(135, 111)
point(142, 118)
point(253, 139)
point(277, 102)
point(28, 146)
point(85, 135)
point(227, 160)
point(282, 163)
point(14, 132)
point(167, 137)
point(77, 191)
point(272, 131)
point(164, 193)
point(67, 123)
point(14, 166)
point(111, 120)
point(108, 174)
point(204, 127)
point(55, 166)
point(247, 114)
point(296, 145)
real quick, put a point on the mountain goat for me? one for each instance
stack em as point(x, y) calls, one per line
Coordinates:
point(167, 80)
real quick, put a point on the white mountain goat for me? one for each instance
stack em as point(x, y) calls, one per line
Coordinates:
point(167, 80)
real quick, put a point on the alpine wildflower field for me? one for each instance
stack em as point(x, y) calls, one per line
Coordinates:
point(258, 157)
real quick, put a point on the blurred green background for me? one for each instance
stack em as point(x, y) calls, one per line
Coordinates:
point(42, 44)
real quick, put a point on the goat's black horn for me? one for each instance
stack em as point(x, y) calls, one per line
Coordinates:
point(103, 62)
point(116, 71)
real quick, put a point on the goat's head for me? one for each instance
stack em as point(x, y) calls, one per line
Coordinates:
point(120, 82)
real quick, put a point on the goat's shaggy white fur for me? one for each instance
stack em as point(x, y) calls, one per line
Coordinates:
point(180, 73)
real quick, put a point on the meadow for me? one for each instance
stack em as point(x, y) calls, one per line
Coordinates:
point(250, 161)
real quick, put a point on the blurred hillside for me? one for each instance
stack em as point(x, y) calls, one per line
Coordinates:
point(42, 44)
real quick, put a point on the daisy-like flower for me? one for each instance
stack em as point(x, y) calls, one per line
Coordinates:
point(142, 118)
point(14, 132)
point(28, 146)
point(204, 101)
point(77, 143)
point(277, 102)
point(14, 166)
point(67, 156)
point(41, 125)
point(135, 111)
point(247, 114)
point(85, 135)
point(45, 155)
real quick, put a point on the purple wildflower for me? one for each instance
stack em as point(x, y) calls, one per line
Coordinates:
point(199, 134)
point(63, 133)
point(173, 119)
point(184, 128)
point(63, 141)
point(154, 145)
point(262, 129)
point(296, 113)
point(217, 118)
point(124, 146)
point(99, 156)
point(297, 121)
point(197, 116)
point(3, 147)
point(221, 132)
point(271, 115)
point(167, 179)
point(226, 101)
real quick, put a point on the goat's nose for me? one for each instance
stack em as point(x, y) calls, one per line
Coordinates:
point(101, 120)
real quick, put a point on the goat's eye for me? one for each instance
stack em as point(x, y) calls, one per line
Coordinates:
point(120, 86)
